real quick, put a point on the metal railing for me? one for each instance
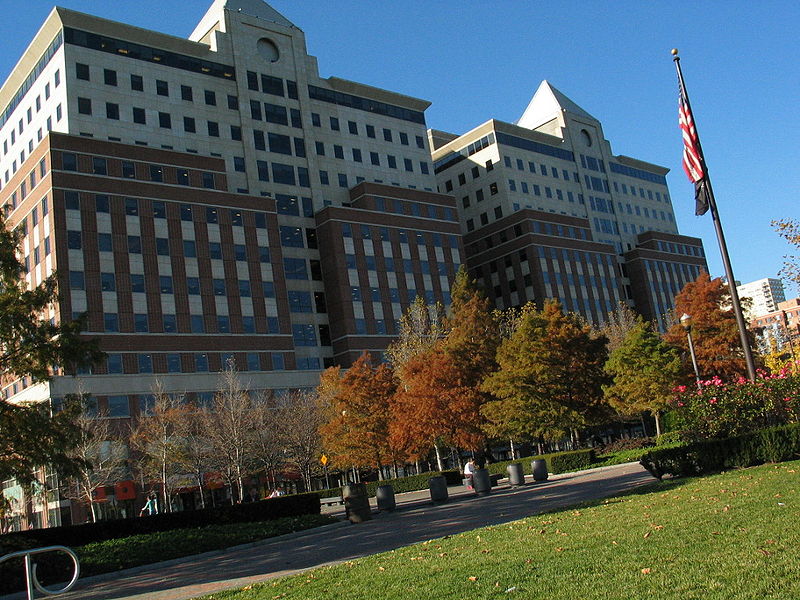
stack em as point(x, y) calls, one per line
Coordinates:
point(30, 569)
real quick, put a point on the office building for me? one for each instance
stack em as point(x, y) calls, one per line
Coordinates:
point(548, 211)
point(213, 200)
point(765, 295)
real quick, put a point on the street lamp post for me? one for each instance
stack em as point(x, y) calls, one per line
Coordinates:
point(686, 322)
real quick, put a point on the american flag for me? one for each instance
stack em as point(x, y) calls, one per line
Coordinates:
point(692, 156)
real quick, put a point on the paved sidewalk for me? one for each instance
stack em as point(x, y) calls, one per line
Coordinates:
point(415, 520)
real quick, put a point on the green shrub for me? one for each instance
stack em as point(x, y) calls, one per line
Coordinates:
point(411, 483)
point(709, 456)
point(557, 462)
point(671, 437)
point(636, 443)
point(80, 535)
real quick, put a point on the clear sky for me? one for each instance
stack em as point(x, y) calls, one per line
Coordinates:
point(480, 60)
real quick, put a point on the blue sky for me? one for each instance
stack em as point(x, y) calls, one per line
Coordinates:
point(477, 60)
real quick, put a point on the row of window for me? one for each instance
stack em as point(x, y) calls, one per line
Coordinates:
point(676, 248)
point(128, 170)
point(357, 156)
point(23, 89)
point(372, 232)
point(194, 285)
point(198, 362)
point(105, 243)
point(134, 207)
point(197, 324)
point(26, 185)
point(374, 295)
point(161, 88)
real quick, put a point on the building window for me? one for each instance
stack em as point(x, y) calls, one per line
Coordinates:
point(137, 83)
point(283, 174)
point(162, 88)
point(304, 335)
point(291, 237)
point(84, 106)
point(82, 71)
point(213, 129)
point(112, 111)
point(210, 97)
point(139, 116)
point(295, 268)
point(110, 77)
point(334, 124)
point(164, 120)
point(99, 166)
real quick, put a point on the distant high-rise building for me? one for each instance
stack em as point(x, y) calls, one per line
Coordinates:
point(548, 211)
point(764, 294)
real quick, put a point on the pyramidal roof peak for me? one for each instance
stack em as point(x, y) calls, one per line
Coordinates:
point(253, 8)
point(546, 104)
point(258, 8)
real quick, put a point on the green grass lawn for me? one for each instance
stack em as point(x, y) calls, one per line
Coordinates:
point(727, 536)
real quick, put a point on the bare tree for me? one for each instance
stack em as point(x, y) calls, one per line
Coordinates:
point(269, 436)
point(157, 438)
point(301, 416)
point(619, 324)
point(197, 453)
point(231, 431)
point(101, 454)
point(421, 326)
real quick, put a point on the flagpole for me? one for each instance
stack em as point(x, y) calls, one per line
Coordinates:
point(723, 248)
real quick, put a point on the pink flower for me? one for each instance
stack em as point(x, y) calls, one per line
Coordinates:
point(681, 403)
point(712, 401)
point(787, 399)
point(680, 389)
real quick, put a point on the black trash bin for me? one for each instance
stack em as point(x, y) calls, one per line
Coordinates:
point(482, 482)
point(385, 496)
point(516, 476)
point(539, 467)
point(438, 488)
point(356, 503)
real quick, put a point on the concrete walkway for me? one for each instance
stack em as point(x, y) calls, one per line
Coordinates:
point(415, 520)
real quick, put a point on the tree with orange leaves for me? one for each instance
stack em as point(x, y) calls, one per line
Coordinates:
point(356, 432)
point(715, 335)
point(435, 405)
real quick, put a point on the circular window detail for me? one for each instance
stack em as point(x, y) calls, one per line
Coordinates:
point(268, 50)
point(587, 139)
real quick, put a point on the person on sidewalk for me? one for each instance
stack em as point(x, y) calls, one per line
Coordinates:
point(469, 471)
point(151, 507)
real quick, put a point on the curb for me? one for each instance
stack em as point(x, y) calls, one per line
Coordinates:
point(101, 577)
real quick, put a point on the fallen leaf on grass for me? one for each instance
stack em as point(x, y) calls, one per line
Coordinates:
point(646, 571)
point(559, 549)
point(647, 535)
point(764, 552)
point(472, 578)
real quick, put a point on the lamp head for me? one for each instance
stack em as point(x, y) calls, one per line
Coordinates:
point(686, 321)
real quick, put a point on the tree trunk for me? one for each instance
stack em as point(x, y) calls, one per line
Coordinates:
point(657, 416)
point(164, 508)
point(644, 425)
point(439, 463)
point(513, 451)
